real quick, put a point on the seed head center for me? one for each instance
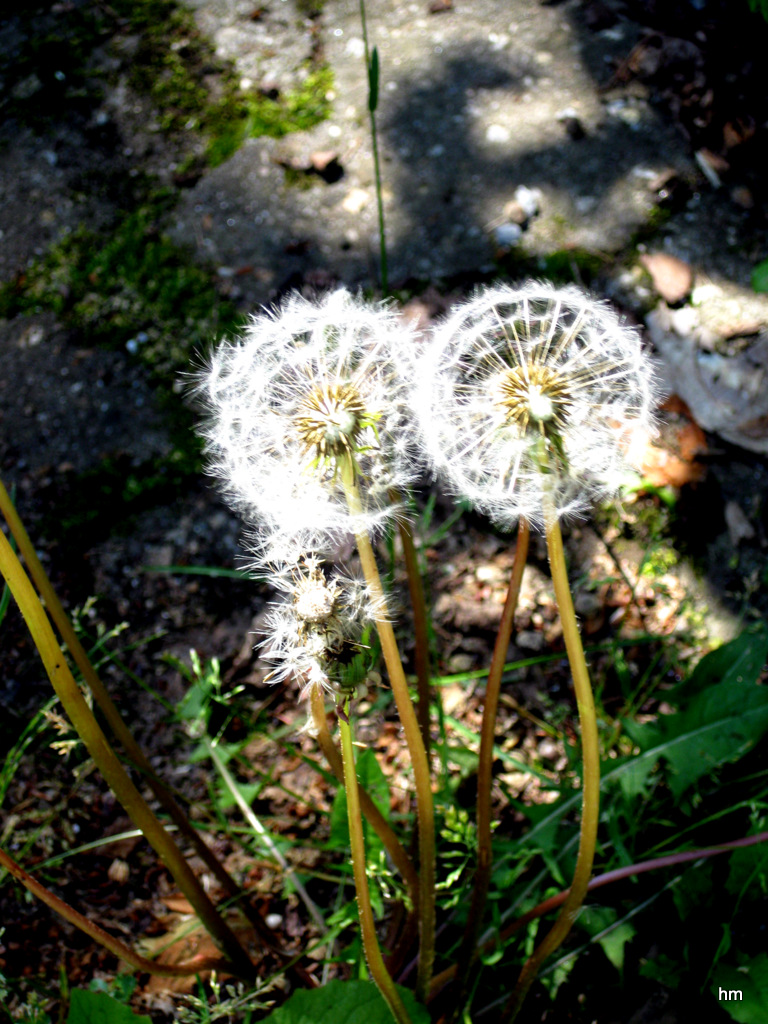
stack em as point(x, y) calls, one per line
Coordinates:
point(329, 420)
point(534, 398)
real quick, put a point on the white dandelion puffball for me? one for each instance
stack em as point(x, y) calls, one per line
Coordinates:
point(532, 400)
point(307, 388)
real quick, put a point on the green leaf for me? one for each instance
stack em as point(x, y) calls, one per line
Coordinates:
point(614, 942)
point(748, 871)
point(760, 277)
point(99, 1008)
point(344, 1002)
point(599, 920)
point(371, 778)
point(724, 713)
point(121, 987)
point(373, 81)
point(696, 889)
point(663, 969)
point(743, 991)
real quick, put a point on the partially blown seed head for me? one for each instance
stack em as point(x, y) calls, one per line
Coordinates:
point(532, 400)
point(317, 634)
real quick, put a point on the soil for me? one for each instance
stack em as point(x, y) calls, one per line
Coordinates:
point(579, 140)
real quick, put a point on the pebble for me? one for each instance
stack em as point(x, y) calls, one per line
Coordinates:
point(497, 133)
point(739, 527)
point(507, 235)
point(355, 200)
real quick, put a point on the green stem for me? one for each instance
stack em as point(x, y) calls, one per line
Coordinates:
point(125, 738)
point(591, 773)
point(468, 951)
point(420, 628)
point(119, 729)
point(372, 71)
point(117, 779)
point(399, 684)
point(93, 931)
point(373, 815)
point(373, 955)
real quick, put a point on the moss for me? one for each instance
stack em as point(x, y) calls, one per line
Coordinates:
point(57, 68)
point(134, 283)
point(563, 266)
point(568, 265)
point(310, 8)
point(239, 117)
point(171, 61)
point(93, 504)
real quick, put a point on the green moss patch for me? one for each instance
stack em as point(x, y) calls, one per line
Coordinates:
point(241, 117)
point(134, 288)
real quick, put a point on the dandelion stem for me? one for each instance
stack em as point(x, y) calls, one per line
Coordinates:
point(468, 951)
point(101, 695)
point(591, 773)
point(117, 778)
point(420, 628)
point(399, 684)
point(367, 926)
point(373, 815)
point(98, 934)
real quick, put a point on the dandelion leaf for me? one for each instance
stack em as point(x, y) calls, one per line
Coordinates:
point(98, 1008)
point(760, 272)
point(344, 1002)
point(371, 778)
point(722, 713)
point(743, 991)
point(608, 932)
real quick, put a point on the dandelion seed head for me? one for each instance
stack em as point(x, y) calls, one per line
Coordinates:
point(532, 396)
point(316, 634)
point(311, 388)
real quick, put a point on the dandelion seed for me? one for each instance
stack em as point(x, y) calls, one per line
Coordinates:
point(308, 390)
point(534, 396)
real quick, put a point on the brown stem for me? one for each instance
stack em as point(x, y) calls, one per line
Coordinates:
point(420, 628)
point(117, 778)
point(103, 699)
point(125, 738)
point(468, 950)
point(115, 946)
point(629, 871)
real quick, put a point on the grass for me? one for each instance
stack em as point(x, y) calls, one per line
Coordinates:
point(642, 817)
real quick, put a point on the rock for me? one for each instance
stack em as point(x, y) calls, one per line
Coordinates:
point(355, 200)
point(726, 393)
point(739, 527)
point(672, 277)
point(507, 235)
point(743, 197)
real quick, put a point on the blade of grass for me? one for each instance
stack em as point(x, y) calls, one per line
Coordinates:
point(265, 837)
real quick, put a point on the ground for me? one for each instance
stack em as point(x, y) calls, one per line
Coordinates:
point(166, 168)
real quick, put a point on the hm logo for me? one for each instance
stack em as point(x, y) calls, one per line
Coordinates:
point(729, 994)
